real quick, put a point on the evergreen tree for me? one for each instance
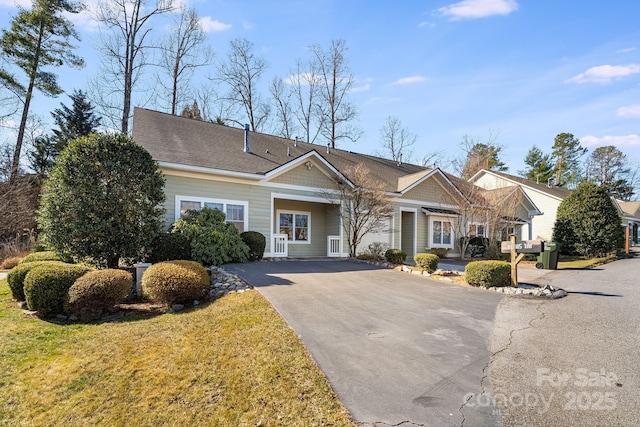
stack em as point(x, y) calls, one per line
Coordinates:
point(483, 156)
point(607, 167)
point(38, 38)
point(74, 122)
point(588, 223)
point(566, 155)
point(539, 166)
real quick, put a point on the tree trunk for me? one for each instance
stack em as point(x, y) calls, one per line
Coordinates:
point(25, 110)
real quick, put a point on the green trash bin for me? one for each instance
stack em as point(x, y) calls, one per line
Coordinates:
point(548, 259)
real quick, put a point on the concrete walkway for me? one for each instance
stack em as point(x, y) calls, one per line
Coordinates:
point(395, 347)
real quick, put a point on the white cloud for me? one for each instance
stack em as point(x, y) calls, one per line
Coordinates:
point(616, 141)
point(426, 24)
point(409, 80)
point(605, 73)
point(381, 100)
point(473, 9)
point(630, 111)
point(209, 24)
point(629, 49)
point(362, 88)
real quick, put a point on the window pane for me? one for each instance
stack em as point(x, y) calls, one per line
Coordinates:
point(235, 213)
point(437, 232)
point(218, 206)
point(472, 230)
point(239, 225)
point(186, 205)
point(481, 230)
point(446, 233)
point(286, 225)
point(302, 227)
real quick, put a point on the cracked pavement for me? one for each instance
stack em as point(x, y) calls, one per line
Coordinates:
point(572, 361)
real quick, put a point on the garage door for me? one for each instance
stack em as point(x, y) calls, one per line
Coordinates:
point(384, 237)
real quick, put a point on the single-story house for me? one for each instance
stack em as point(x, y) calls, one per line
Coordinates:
point(279, 188)
point(630, 214)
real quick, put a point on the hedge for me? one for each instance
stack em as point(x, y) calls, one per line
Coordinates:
point(46, 287)
point(488, 273)
point(16, 276)
point(97, 292)
point(429, 262)
point(173, 282)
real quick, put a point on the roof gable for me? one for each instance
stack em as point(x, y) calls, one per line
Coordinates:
point(556, 192)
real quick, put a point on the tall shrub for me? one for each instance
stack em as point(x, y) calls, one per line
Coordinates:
point(588, 222)
point(213, 241)
point(102, 200)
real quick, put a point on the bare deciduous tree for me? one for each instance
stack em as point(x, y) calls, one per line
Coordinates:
point(305, 83)
point(125, 46)
point(241, 73)
point(284, 115)
point(396, 140)
point(335, 83)
point(184, 50)
point(365, 205)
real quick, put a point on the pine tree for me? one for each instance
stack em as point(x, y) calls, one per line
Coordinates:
point(607, 167)
point(74, 122)
point(566, 155)
point(539, 166)
point(38, 38)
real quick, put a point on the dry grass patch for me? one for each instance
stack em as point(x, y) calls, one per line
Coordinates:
point(566, 262)
point(232, 362)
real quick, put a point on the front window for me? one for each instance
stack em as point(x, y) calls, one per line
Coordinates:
point(235, 211)
point(476, 230)
point(295, 225)
point(442, 235)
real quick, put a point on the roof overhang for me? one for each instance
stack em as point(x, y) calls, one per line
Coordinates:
point(293, 163)
point(440, 212)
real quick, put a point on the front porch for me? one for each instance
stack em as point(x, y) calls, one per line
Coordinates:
point(305, 227)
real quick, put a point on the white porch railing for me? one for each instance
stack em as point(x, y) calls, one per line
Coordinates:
point(333, 246)
point(280, 246)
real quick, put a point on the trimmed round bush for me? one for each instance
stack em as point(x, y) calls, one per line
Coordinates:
point(256, 243)
point(16, 276)
point(97, 292)
point(168, 246)
point(429, 262)
point(46, 287)
point(172, 282)
point(395, 256)
point(488, 273)
point(9, 263)
point(41, 256)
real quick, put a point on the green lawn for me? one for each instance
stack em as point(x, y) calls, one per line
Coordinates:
point(230, 362)
point(566, 262)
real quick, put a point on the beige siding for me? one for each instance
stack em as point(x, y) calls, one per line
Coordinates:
point(303, 176)
point(260, 210)
point(430, 191)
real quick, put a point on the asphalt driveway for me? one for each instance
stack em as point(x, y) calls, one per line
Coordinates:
point(396, 348)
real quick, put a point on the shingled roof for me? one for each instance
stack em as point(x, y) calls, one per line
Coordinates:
point(558, 192)
point(185, 141)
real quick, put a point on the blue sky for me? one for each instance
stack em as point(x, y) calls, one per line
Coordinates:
point(525, 70)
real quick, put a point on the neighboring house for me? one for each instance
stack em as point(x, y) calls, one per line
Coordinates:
point(546, 197)
point(279, 187)
point(630, 214)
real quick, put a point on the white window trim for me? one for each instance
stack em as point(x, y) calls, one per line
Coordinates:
point(224, 202)
point(295, 242)
point(431, 229)
point(481, 224)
